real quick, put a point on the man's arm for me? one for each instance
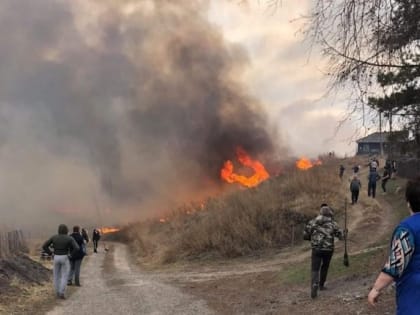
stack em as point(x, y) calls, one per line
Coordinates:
point(46, 246)
point(338, 232)
point(74, 246)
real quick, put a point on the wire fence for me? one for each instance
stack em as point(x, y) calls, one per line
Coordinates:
point(11, 243)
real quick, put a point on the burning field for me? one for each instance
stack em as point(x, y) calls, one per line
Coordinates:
point(239, 222)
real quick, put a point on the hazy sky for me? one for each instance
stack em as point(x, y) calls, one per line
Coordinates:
point(286, 75)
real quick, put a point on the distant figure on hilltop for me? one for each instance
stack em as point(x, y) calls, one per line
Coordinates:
point(355, 186)
point(373, 177)
point(342, 168)
point(356, 169)
point(385, 177)
point(374, 164)
point(96, 236)
point(63, 245)
point(321, 232)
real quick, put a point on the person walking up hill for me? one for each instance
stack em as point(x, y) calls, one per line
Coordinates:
point(355, 186)
point(321, 232)
point(373, 177)
point(63, 245)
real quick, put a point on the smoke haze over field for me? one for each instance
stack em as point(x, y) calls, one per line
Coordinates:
point(112, 109)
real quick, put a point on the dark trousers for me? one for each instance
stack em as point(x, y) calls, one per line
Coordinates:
point(95, 246)
point(384, 184)
point(75, 271)
point(372, 189)
point(354, 196)
point(320, 263)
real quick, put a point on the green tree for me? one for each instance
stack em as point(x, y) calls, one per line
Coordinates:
point(373, 46)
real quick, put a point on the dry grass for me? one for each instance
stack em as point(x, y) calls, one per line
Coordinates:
point(239, 223)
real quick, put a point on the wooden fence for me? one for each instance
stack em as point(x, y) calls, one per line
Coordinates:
point(12, 243)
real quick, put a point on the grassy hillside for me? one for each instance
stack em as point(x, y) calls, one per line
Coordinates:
point(269, 216)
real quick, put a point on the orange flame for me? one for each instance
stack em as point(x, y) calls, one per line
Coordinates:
point(305, 164)
point(106, 230)
point(229, 176)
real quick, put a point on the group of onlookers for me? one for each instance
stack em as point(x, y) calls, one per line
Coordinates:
point(401, 267)
point(373, 177)
point(68, 251)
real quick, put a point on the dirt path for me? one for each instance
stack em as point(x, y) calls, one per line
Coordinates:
point(111, 285)
point(250, 285)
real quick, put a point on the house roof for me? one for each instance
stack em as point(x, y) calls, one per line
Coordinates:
point(376, 137)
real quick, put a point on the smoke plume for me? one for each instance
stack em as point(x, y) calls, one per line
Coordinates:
point(111, 109)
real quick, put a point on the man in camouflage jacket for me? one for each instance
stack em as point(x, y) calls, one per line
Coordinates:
point(321, 232)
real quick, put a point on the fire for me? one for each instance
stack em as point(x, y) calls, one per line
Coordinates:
point(229, 176)
point(304, 163)
point(106, 230)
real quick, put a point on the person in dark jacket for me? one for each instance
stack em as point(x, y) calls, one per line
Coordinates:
point(321, 232)
point(385, 177)
point(96, 236)
point(63, 245)
point(76, 259)
point(355, 186)
point(373, 177)
point(85, 235)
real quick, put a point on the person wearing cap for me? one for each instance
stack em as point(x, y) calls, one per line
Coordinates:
point(321, 232)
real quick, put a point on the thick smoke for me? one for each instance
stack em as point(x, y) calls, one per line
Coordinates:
point(112, 106)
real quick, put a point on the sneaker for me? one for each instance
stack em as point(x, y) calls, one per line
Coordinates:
point(62, 296)
point(322, 288)
point(314, 291)
point(69, 283)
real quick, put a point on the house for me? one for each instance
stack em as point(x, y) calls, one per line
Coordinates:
point(371, 144)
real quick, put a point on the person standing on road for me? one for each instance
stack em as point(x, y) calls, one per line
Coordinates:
point(96, 236)
point(355, 186)
point(85, 236)
point(373, 177)
point(76, 259)
point(321, 232)
point(63, 245)
point(402, 266)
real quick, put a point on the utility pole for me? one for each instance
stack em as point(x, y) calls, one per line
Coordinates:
point(381, 143)
point(390, 135)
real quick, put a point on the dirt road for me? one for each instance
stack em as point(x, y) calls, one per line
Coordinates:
point(112, 285)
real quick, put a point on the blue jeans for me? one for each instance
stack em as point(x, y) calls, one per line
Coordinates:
point(61, 273)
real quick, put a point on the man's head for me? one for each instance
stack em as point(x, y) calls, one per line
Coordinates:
point(412, 194)
point(62, 229)
point(76, 229)
point(326, 210)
